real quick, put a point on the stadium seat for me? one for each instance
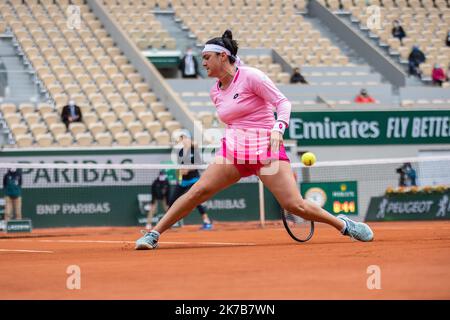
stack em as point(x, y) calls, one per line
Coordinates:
point(24, 140)
point(18, 128)
point(107, 89)
point(76, 128)
point(141, 88)
point(127, 117)
point(283, 78)
point(44, 108)
point(108, 117)
point(83, 139)
point(149, 97)
point(103, 138)
point(57, 128)
point(44, 140)
point(146, 117)
point(27, 108)
point(157, 107)
point(172, 125)
point(115, 127)
point(153, 127)
point(96, 127)
point(38, 128)
point(12, 118)
point(130, 97)
point(138, 107)
point(64, 139)
point(89, 117)
point(119, 108)
point(163, 116)
point(7, 108)
point(162, 137)
point(123, 138)
point(142, 138)
point(135, 127)
point(114, 98)
point(50, 118)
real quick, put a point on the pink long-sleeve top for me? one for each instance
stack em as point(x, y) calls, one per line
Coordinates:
point(246, 107)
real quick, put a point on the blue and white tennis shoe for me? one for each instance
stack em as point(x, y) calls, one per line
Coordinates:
point(356, 230)
point(148, 241)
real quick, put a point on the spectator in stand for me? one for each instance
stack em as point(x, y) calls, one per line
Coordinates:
point(415, 58)
point(398, 32)
point(189, 65)
point(438, 75)
point(364, 97)
point(297, 77)
point(447, 40)
point(71, 113)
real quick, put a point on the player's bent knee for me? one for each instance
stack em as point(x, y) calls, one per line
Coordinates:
point(295, 206)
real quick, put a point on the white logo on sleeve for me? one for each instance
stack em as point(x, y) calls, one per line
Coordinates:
point(264, 78)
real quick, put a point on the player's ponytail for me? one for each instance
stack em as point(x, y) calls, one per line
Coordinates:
point(230, 44)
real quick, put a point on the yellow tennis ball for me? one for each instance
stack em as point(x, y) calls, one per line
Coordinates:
point(308, 159)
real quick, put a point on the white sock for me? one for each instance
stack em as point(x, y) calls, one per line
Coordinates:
point(156, 233)
point(344, 228)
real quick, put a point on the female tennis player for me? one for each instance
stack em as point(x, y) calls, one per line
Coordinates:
point(253, 145)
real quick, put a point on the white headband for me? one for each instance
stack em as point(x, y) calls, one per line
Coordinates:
point(219, 49)
point(216, 48)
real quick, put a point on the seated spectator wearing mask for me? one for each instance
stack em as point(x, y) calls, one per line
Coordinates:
point(297, 77)
point(364, 97)
point(71, 113)
point(438, 75)
point(415, 58)
point(398, 32)
point(189, 65)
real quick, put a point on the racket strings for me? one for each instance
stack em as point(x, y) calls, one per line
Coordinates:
point(298, 228)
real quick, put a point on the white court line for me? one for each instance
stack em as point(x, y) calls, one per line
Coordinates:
point(28, 251)
point(212, 243)
point(123, 241)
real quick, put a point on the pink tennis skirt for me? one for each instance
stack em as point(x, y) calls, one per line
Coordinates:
point(250, 164)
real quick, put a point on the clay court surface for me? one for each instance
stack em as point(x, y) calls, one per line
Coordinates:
point(234, 261)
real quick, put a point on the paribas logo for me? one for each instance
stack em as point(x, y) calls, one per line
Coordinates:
point(55, 176)
point(73, 208)
point(226, 204)
point(327, 129)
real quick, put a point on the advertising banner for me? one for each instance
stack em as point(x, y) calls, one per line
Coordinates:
point(336, 197)
point(369, 127)
point(435, 206)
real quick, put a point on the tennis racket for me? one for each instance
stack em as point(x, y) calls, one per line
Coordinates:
point(299, 229)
